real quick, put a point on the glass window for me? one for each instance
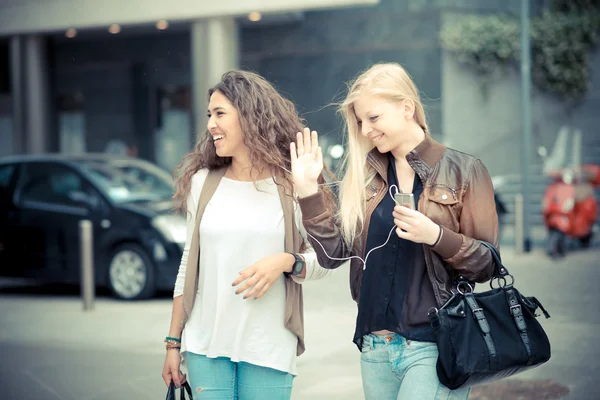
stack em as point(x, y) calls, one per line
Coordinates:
point(131, 181)
point(56, 184)
point(6, 174)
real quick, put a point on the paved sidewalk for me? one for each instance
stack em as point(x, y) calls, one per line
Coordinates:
point(51, 349)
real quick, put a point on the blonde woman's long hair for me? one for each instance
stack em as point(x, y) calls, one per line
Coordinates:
point(391, 82)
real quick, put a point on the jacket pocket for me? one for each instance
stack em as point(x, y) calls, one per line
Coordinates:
point(443, 206)
point(442, 194)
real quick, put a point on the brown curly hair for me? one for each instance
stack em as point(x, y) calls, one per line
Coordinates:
point(269, 123)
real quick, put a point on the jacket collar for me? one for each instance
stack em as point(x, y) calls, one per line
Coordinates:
point(422, 158)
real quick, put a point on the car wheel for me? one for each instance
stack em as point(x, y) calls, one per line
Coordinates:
point(131, 273)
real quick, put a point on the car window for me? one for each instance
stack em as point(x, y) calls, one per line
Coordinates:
point(149, 179)
point(6, 174)
point(126, 182)
point(56, 184)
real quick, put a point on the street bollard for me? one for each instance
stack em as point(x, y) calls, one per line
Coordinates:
point(87, 264)
point(519, 223)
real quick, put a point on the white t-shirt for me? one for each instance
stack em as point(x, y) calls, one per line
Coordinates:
point(240, 226)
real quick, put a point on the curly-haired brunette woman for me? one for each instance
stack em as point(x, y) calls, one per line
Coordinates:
point(245, 231)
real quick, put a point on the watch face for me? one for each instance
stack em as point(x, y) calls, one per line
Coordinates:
point(298, 265)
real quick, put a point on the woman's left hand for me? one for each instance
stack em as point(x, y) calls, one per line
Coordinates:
point(260, 276)
point(417, 227)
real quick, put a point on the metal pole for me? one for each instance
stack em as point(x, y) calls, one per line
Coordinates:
point(87, 264)
point(526, 120)
point(519, 223)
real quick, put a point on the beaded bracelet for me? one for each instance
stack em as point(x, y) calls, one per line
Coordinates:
point(172, 344)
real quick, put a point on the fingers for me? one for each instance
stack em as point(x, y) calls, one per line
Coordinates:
point(264, 290)
point(307, 142)
point(319, 155)
point(245, 274)
point(402, 235)
point(177, 379)
point(182, 378)
point(300, 144)
point(293, 154)
point(402, 225)
point(314, 142)
point(307, 145)
point(258, 288)
point(166, 375)
point(258, 285)
point(175, 375)
point(405, 211)
point(248, 284)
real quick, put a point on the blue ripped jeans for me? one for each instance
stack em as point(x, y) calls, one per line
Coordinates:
point(222, 379)
point(394, 368)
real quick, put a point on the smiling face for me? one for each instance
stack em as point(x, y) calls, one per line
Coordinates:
point(224, 126)
point(383, 122)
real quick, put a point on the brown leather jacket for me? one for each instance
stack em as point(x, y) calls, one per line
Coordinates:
point(457, 194)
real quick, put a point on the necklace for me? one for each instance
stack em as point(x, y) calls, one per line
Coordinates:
point(233, 173)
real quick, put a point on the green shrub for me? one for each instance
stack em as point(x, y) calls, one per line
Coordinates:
point(562, 39)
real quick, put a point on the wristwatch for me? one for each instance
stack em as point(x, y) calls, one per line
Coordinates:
point(298, 265)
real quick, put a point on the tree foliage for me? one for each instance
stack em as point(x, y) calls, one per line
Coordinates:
point(562, 39)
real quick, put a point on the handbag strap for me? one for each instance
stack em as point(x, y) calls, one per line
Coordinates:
point(517, 313)
point(484, 326)
point(185, 388)
point(500, 271)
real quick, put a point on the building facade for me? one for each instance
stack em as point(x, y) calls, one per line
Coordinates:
point(143, 90)
point(128, 77)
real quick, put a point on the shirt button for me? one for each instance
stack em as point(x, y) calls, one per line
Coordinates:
point(386, 299)
point(390, 273)
point(444, 197)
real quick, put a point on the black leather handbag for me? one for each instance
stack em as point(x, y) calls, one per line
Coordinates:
point(487, 336)
point(185, 388)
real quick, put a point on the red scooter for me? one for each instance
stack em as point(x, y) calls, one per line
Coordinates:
point(570, 207)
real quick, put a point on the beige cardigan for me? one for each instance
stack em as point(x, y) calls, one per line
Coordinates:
point(294, 316)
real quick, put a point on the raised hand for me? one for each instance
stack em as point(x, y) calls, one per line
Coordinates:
point(307, 162)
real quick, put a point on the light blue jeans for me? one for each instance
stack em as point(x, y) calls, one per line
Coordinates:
point(222, 379)
point(394, 368)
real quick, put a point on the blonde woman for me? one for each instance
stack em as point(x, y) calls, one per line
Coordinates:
point(389, 148)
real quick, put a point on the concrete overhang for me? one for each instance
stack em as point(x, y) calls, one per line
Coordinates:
point(48, 16)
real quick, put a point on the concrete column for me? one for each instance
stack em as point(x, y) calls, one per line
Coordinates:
point(215, 50)
point(37, 106)
point(17, 94)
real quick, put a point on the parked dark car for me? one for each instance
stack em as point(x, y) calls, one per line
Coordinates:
point(138, 240)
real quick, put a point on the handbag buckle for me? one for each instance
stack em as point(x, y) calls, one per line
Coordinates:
point(478, 313)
